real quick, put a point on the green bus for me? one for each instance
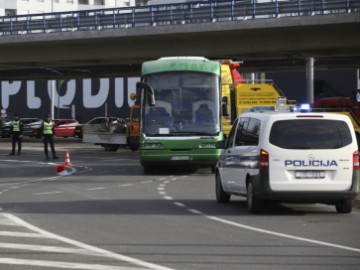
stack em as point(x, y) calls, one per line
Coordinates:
point(180, 101)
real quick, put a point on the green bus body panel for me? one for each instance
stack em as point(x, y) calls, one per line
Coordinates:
point(181, 152)
point(180, 64)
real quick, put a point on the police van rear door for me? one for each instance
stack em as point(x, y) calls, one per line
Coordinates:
point(311, 153)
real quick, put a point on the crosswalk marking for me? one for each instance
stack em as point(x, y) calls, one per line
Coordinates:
point(53, 249)
point(20, 229)
point(21, 234)
point(65, 265)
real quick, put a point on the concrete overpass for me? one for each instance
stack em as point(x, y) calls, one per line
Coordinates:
point(264, 44)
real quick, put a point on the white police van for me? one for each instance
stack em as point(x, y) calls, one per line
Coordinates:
point(289, 157)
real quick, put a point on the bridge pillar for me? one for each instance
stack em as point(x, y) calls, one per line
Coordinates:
point(52, 99)
point(310, 80)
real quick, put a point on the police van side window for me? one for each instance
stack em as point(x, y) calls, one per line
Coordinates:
point(230, 138)
point(249, 135)
point(243, 123)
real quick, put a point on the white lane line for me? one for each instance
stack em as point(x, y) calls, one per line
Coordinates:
point(162, 192)
point(146, 182)
point(21, 234)
point(65, 265)
point(194, 211)
point(52, 249)
point(7, 222)
point(95, 188)
point(125, 185)
point(87, 247)
point(48, 193)
point(10, 184)
point(179, 204)
point(283, 235)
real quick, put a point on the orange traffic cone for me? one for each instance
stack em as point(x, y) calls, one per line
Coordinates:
point(67, 160)
point(59, 169)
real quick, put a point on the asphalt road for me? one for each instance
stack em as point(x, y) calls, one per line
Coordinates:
point(106, 214)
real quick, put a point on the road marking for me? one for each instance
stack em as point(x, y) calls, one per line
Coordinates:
point(147, 182)
point(179, 204)
point(125, 185)
point(263, 231)
point(21, 234)
point(87, 247)
point(283, 235)
point(66, 265)
point(194, 211)
point(52, 249)
point(95, 188)
point(48, 193)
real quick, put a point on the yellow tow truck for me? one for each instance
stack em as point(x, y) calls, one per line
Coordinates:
point(239, 96)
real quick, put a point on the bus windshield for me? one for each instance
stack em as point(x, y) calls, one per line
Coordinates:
point(186, 103)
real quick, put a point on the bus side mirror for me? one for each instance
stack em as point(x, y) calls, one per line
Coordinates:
point(225, 109)
point(150, 92)
point(224, 106)
point(220, 145)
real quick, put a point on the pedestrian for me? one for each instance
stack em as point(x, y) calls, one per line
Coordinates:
point(47, 128)
point(16, 134)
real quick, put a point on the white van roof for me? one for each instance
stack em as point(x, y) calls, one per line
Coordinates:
point(294, 115)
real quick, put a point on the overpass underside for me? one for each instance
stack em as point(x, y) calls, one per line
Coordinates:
point(263, 44)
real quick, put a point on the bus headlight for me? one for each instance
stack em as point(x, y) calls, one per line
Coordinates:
point(207, 145)
point(153, 146)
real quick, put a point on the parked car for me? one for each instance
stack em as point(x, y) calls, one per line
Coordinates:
point(289, 157)
point(65, 127)
point(62, 128)
point(97, 120)
point(29, 124)
point(5, 128)
point(78, 131)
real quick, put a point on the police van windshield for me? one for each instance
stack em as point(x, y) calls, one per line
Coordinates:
point(310, 134)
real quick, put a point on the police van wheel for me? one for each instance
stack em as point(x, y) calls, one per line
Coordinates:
point(254, 204)
point(344, 207)
point(221, 195)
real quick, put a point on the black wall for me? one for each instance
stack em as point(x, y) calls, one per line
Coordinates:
point(88, 98)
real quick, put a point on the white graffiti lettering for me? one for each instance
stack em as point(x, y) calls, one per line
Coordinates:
point(33, 102)
point(63, 100)
point(95, 101)
point(9, 89)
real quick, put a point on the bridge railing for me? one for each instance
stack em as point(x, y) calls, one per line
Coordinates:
point(195, 12)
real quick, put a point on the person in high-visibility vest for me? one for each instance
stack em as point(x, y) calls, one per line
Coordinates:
point(16, 134)
point(47, 128)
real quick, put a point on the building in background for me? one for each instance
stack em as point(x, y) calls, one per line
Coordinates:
point(23, 7)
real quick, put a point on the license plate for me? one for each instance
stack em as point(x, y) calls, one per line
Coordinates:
point(309, 174)
point(180, 158)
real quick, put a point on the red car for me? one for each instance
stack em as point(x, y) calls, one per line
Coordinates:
point(65, 127)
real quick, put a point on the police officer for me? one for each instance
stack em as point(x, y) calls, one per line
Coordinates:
point(16, 134)
point(47, 128)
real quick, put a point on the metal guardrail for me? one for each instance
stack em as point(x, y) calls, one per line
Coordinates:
point(196, 12)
